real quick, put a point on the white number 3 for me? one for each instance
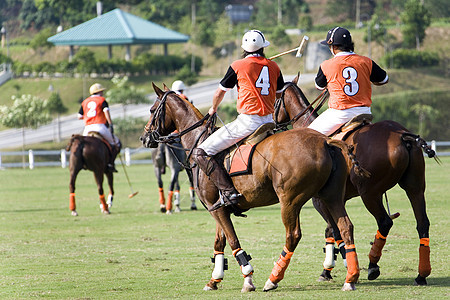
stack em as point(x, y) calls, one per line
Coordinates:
point(350, 76)
point(263, 81)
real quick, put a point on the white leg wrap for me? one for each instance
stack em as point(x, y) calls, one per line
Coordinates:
point(245, 268)
point(110, 200)
point(329, 256)
point(218, 272)
point(341, 246)
point(248, 269)
point(177, 198)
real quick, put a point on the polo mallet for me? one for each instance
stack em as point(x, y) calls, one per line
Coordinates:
point(128, 179)
point(299, 49)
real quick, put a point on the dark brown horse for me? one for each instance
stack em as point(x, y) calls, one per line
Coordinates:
point(91, 153)
point(287, 168)
point(392, 155)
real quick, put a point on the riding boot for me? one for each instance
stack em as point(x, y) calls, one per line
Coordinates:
point(218, 175)
point(114, 151)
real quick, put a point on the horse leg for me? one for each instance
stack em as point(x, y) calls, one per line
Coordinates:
point(162, 200)
point(177, 194)
point(290, 216)
point(373, 202)
point(73, 177)
point(110, 178)
point(99, 179)
point(413, 183)
point(191, 189)
point(219, 261)
point(222, 216)
point(332, 235)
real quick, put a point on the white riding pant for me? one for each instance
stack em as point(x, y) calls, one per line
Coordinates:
point(233, 132)
point(331, 119)
point(103, 130)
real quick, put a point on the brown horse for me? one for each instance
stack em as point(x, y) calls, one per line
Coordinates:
point(91, 153)
point(287, 168)
point(393, 156)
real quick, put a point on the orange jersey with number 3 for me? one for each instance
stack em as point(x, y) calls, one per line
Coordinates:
point(257, 85)
point(93, 110)
point(348, 79)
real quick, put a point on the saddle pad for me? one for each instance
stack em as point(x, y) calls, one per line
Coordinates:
point(241, 160)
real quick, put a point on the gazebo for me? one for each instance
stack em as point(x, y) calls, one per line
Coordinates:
point(117, 28)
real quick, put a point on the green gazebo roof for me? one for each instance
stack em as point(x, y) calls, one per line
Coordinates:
point(117, 28)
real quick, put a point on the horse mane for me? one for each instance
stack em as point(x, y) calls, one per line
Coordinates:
point(302, 98)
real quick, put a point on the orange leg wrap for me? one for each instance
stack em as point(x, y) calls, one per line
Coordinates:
point(103, 202)
point(424, 257)
point(280, 266)
point(169, 200)
point(162, 200)
point(352, 264)
point(377, 247)
point(72, 205)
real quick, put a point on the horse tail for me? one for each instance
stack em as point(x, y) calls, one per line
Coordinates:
point(350, 158)
point(409, 138)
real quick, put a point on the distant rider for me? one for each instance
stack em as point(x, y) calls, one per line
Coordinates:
point(178, 87)
point(95, 112)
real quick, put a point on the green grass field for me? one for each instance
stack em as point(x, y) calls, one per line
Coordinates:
point(139, 253)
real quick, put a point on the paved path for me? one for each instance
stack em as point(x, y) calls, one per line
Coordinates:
point(201, 94)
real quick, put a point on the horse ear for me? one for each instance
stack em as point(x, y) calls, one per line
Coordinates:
point(295, 80)
point(166, 88)
point(158, 91)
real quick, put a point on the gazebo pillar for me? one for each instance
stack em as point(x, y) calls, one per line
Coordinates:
point(128, 54)
point(71, 53)
point(109, 51)
point(166, 50)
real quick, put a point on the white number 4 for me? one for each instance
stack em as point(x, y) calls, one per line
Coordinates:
point(263, 81)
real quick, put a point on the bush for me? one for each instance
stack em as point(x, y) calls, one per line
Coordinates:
point(408, 58)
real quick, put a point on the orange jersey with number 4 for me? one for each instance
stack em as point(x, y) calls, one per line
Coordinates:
point(348, 81)
point(257, 85)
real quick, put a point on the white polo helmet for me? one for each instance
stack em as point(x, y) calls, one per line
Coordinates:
point(96, 88)
point(254, 40)
point(178, 85)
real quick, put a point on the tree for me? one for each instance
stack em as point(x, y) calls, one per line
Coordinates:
point(39, 42)
point(56, 106)
point(416, 18)
point(125, 94)
point(26, 112)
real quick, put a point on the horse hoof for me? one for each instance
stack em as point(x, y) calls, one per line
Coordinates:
point(373, 273)
point(162, 208)
point(248, 285)
point(211, 286)
point(177, 209)
point(193, 207)
point(74, 213)
point(348, 286)
point(168, 212)
point(106, 212)
point(325, 276)
point(269, 286)
point(420, 281)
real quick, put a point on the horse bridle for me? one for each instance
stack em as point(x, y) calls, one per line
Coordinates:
point(158, 119)
point(280, 103)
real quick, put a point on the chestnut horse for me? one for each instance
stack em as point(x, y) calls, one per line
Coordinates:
point(393, 156)
point(287, 168)
point(91, 153)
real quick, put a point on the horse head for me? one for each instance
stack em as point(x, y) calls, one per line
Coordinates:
point(160, 122)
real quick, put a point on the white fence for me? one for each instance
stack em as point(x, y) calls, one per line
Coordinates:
point(60, 158)
point(63, 162)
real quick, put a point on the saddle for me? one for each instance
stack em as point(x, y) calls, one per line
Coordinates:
point(98, 135)
point(238, 158)
point(343, 132)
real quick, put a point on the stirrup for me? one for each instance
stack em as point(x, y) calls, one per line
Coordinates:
point(233, 199)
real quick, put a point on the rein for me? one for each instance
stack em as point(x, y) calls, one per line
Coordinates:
point(280, 102)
